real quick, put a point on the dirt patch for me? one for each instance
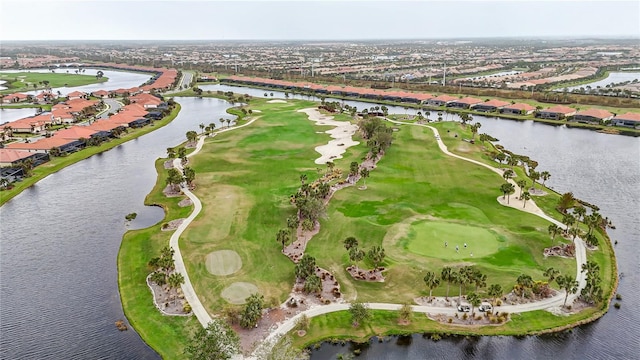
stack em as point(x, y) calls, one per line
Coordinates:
point(565, 250)
point(238, 292)
point(170, 301)
point(223, 262)
point(172, 225)
point(186, 202)
point(168, 164)
point(373, 275)
point(330, 289)
point(172, 191)
point(477, 319)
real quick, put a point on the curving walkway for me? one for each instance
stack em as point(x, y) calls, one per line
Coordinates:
point(187, 288)
point(552, 302)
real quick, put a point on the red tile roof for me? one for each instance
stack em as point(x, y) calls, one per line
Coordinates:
point(75, 133)
point(629, 116)
point(596, 113)
point(560, 109)
point(42, 144)
point(9, 155)
point(496, 103)
point(469, 101)
point(520, 106)
point(445, 98)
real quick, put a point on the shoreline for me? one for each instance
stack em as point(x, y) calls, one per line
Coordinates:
point(59, 163)
point(590, 317)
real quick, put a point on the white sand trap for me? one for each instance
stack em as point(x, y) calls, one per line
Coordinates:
point(257, 111)
point(238, 292)
point(223, 262)
point(277, 102)
point(342, 135)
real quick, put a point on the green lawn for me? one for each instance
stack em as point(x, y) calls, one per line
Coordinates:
point(25, 81)
point(416, 199)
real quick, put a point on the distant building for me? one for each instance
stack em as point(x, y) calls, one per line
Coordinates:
point(518, 109)
point(558, 112)
point(592, 116)
point(629, 119)
point(490, 106)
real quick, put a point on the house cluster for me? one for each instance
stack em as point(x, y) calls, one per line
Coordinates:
point(468, 103)
point(76, 137)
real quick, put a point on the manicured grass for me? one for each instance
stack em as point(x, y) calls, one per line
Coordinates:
point(338, 325)
point(428, 237)
point(166, 334)
point(24, 81)
point(58, 163)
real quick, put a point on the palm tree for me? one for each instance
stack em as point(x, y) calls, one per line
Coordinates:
point(432, 281)
point(292, 224)
point(525, 196)
point(175, 280)
point(479, 279)
point(474, 129)
point(283, 237)
point(553, 231)
point(464, 277)
point(201, 128)
point(303, 178)
point(551, 273)
point(376, 255)
point(508, 174)
point(474, 300)
point(580, 211)
point(567, 283)
point(350, 242)
point(228, 122)
point(545, 175)
point(364, 173)
point(568, 220)
point(507, 189)
point(495, 291)
point(356, 255)
point(447, 275)
point(522, 183)
point(524, 282)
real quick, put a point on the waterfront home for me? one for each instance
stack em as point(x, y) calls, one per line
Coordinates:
point(490, 106)
point(76, 133)
point(518, 109)
point(11, 157)
point(628, 119)
point(596, 116)
point(75, 95)
point(464, 103)
point(46, 144)
point(441, 100)
point(29, 125)
point(148, 101)
point(69, 111)
point(100, 94)
point(557, 112)
point(15, 98)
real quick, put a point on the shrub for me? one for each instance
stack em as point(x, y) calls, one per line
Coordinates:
point(618, 297)
point(465, 316)
point(616, 305)
point(450, 320)
point(186, 307)
point(436, 336)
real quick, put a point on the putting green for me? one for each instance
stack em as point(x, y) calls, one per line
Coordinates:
point(223, 262)
point(428, 238)
point(238, 292)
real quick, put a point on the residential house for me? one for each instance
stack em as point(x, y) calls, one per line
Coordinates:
point(15, 98)
point(148, 101)
point(557, 112)
point(518, 109)
point(490, 106)
point(75, 95)
point(464, 103)
point(592, 116)
point(628, 119)
point(46, 144)
point(100, 94)
point(441, 100)
point(10, 157)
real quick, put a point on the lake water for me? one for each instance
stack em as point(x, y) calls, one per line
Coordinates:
point(60, 240)
point(614, 77)
point(117, 80)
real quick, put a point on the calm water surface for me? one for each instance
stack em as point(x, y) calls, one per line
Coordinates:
point(59, 242)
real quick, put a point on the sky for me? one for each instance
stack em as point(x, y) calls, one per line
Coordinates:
point(313, 20)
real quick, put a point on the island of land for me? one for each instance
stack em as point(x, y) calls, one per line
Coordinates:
point(276, 199)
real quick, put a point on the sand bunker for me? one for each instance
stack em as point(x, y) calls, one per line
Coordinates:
point(342, 135)
point(238, 292)
point(223, 262)
point(277, 102)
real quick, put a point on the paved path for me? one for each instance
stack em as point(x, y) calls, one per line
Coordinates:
point(552, 302)
point(187, 288)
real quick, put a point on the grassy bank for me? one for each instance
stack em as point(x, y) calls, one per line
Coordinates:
point(58, 163)
point(25, 81)
point(166, 334)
